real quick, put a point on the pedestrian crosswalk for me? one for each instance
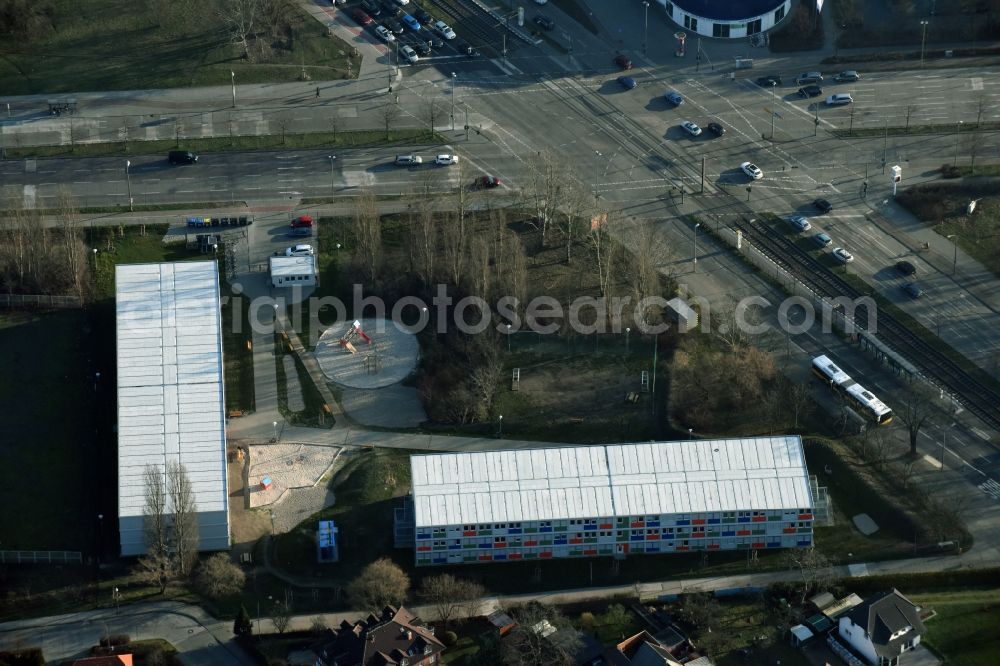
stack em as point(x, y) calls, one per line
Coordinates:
point(991, 488)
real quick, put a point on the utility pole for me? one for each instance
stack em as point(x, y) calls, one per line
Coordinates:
point(702, 191)
point(128, 181)
point(453, 77)
point(923, 40)
point(645, 27)
point(885, 144)
point(232, 75)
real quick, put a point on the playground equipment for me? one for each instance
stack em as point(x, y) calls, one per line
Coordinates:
point(354, 333)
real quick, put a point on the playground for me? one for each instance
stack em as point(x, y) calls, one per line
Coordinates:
point(367, 354)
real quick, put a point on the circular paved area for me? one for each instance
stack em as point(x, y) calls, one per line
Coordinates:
point(390, 356)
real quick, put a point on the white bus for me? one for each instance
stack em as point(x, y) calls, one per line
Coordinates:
point(864, 400)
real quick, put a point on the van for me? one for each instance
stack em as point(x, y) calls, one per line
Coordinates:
point(181, 157)
point(407, 160)
point(809, 77)
point(839, 99)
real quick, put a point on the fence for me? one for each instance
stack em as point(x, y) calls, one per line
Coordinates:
point(38, 301)
point(41, 557)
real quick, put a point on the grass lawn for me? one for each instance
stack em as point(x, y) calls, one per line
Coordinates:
point(49, 445)
point(117, 45)
point(964, 630)
point(945, 207)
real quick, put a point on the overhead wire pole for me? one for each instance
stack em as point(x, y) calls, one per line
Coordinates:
point(453, 77)
point(645, 26)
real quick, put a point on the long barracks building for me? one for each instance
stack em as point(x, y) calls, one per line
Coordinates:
point(622, 499)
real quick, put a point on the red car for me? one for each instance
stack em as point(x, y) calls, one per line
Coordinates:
point(361, 17)
point(487, 182)
point(302, 222)
point(623, 62)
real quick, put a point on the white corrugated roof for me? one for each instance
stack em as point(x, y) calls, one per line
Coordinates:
point(612, 480)
point(292, 266)
point(170, 391)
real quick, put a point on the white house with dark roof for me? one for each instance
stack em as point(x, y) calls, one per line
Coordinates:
point(882, 628)
point(621, 499)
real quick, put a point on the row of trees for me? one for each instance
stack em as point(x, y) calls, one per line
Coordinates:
point(255, 25)
point(170, 533)
point(40, 260)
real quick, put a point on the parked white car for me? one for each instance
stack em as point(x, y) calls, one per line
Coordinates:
point(299, 251)
point(691, 128)
point(444, 30)
point(752, 170)
point(842, 255)
point(446, 160)
point(410, 55)
point(384, 34)
point(839, 99)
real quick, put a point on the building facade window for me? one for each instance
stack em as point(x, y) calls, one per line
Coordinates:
point(691, 23)
point(779, 13)
point(720, 30)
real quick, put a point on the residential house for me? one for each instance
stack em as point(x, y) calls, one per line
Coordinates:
point(882, 628)
point(396, 637)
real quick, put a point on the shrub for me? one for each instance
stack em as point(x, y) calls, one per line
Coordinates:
point(449, 638)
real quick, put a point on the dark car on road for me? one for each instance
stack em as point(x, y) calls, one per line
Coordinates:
point(182, 157)
point(623, 62)
point(487, 182)
point(545, 22)
point(391, 9)
point(905, 268)
point(370, 7)
point(423, 16)
point(913, 290)
point(626, 82)
point(716, 129)
point(769, 81)
point(361, 17)
point(821, 239)
point(394, 26)
point(822, 205)
point(810, 91)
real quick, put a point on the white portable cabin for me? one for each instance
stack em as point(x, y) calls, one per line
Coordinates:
point(293, 271)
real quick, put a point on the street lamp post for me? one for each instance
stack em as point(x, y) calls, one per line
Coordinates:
point(272, 523)
point(232, 75)
point(117, 597)
point(923, 40)
point(508, 338)
point(958, 131)
point(774, 102)
point(274, 425)
point(453, 77)
point(645, 25)
point(128, 182)
point(100, 535)
point(690, 433)
point(954, 258)
point(332, 158)
point(627, 331)
point(694, 235)
point(501, 425)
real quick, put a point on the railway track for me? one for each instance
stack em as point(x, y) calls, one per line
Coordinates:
point(980, 399)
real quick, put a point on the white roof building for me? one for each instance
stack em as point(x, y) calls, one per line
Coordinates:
point(171, 403)
point(613, 480)
point(293, 271)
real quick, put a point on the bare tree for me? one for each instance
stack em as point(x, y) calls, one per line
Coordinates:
point(240, 17)
point(380, 583)
point(432, 113)
point(73, 250)
point(813, 568)
point(423, 241)
point(156, 566)
point(545, 190)
point(451, 597)
point(454, 247)
point(528, 645)
point(219, 577)
point(738, 323)
point(701, 610)
point(184, 519)
point(799, 401)
point(486, 376)
point(388, 113)
point(368, 234)
point(281, 616)
point(915, 407)
point(604, 252)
